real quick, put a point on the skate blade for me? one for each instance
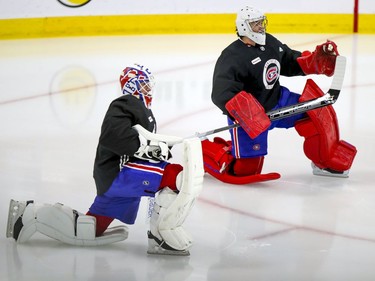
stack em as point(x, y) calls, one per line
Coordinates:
point(327, 173)
point(12, 217)
point(161, 251)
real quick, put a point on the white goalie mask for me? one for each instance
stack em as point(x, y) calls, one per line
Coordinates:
point(247, 20)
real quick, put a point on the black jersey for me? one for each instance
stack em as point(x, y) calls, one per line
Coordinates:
point(118, 140)
point(254, 69)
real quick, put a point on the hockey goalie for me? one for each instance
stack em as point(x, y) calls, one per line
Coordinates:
point(131, 162)
point(246, 85)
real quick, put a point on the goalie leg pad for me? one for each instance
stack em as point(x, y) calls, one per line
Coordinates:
point(218, 162)
point(217, 155)
point(64, 224)
point(171, 239)
point(248, 166)
point(171, 208)
point(321, 132)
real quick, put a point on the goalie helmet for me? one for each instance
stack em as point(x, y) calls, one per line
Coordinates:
point(138, 81)
point(247, 19)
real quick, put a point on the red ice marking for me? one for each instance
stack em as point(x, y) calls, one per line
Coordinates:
point(290, 225)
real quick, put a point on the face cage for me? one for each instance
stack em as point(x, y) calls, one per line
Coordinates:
point(145, 87)
point(263, 24)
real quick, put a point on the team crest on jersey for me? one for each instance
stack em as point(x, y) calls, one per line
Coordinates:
point(271, 73)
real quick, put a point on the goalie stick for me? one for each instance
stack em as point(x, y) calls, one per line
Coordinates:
point(329, 98)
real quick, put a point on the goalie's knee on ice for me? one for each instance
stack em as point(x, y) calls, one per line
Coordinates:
point(62, 223)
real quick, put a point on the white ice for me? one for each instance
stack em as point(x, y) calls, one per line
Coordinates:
point(53, 96)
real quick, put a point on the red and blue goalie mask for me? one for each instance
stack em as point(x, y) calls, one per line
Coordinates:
point(139, 82)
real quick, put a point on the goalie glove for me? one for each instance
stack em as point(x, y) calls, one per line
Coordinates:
point(320, 61)
point(151, 150)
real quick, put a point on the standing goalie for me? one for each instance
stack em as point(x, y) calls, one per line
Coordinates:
point(246, 85)
point(131, 162)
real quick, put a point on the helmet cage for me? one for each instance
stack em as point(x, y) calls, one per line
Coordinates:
point(262, 22)
point(139, 83)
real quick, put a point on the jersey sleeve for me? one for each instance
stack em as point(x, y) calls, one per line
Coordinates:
point(289, 64)
point(226, 83)
point(117, 134)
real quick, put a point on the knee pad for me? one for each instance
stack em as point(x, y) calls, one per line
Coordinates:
point(321, 132)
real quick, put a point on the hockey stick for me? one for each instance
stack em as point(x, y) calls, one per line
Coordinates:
point(329, 98)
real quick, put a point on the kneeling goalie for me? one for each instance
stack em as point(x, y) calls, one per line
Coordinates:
point(131, 162)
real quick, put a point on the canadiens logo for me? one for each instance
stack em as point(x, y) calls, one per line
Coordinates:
point(271, 73)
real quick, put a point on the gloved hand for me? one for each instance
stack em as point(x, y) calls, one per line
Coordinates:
point(152, 150)
point(320, 61)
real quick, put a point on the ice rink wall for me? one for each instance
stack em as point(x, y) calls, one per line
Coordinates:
point(57, 18)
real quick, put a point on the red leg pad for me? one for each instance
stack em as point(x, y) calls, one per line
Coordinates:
point(217, 155)
point(218, 159)
point(248, 166)
point(321, 131)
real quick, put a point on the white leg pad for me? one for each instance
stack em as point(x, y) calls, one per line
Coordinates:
point(62, 223)
point(171, 209)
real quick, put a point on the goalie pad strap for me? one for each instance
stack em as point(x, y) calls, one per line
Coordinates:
point(249, 113)
point(321, 132)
